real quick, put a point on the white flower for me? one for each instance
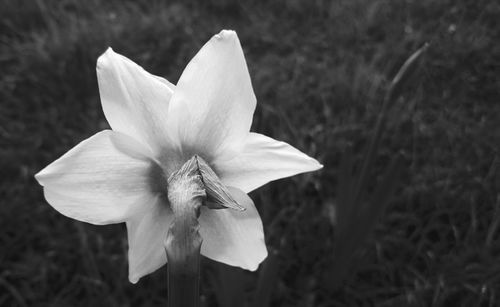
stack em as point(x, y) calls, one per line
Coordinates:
point(120, 175)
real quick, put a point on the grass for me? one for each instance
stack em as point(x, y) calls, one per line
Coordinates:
point(320, 70)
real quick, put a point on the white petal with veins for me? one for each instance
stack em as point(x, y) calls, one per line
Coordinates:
point(102, 180)
point(134, 101)
point(213, 103)
point(261, 160)
point(234, 237)
point(146, 234)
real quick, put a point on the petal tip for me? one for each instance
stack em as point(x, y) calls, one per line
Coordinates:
point(133, 279)
point(318, 165)
point(226, 35)
point(41, 176)
point(253, 266)
point(38, 176)
point(314, 165)
point(104, 58)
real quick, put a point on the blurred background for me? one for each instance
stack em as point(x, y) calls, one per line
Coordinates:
point(320, 70)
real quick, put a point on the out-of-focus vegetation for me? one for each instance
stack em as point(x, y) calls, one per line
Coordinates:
point(319, 70)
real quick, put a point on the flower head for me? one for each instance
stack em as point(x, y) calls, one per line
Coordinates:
point(119, 175)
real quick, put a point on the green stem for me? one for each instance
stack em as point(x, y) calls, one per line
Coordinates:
point(193, 185)
point(183, 243)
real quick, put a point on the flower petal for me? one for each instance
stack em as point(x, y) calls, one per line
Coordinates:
point(261, 160)
point(102, 180)
point(146, 234)
point(134, 101)
point(233, 237)
point(213, 103)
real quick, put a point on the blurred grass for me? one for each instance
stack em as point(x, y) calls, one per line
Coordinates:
point(319, 70)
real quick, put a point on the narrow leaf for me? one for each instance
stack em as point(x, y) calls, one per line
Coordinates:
point(344, 204)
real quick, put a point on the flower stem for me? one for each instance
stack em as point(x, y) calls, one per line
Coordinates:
point(186, 194)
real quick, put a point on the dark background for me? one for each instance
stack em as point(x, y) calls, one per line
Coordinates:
point(320, 70)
